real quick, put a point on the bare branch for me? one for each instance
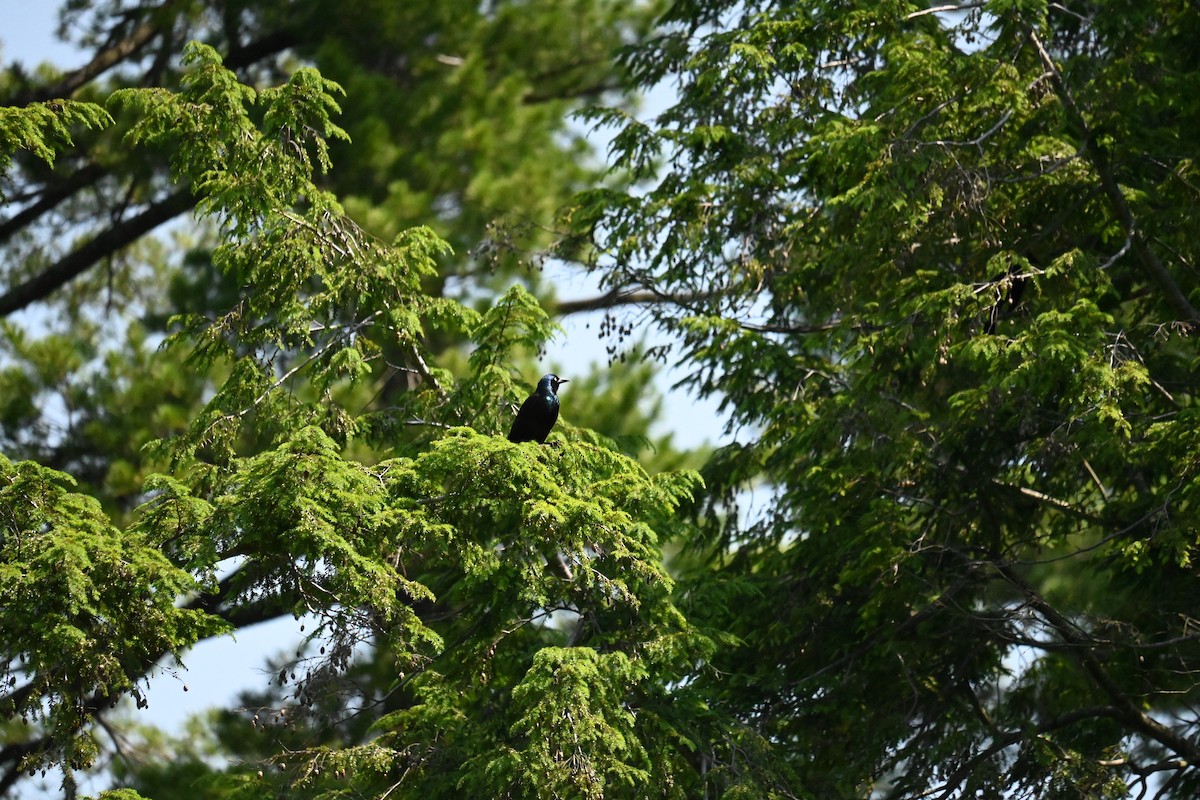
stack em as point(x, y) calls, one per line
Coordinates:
point(797, 329)
point(1045, 499)
point(613, 299)
point(103, 244)
point(978, 140)
point(948, 8)
point(627, 297)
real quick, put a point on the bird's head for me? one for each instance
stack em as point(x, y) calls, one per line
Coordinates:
point(550, 383)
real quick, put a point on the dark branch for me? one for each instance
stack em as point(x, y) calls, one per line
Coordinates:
point(127, 231)
point(269, 45)
point(574, 93)
point(103, 61)
point(1003, 740)
point(50, 199)
point(103, 244)
point(626, 297)
point(1128, 711)
point(14, 754)
point(613, 299)
point(1098, 156)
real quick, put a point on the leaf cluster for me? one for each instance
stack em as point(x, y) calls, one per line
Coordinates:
point(933, 261)
point(433, 549)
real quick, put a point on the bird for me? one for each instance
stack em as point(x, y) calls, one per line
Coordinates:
point(538, 413)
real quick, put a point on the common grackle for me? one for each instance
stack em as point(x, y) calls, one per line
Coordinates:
point(538, 413)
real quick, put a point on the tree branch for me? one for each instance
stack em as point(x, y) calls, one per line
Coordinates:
point(131, 45)
point(943, 9)
point(216, 603)
point(103, 244)
point(103, 61)
point(1099, 159)
point(574, 93)
point(265, 46)
point(1128, 711)
point(98, 703)
point(16, 753)
point(126, 231)
point(612, 299)
point(1004, 740)
point(626, 297)
point(50, 199)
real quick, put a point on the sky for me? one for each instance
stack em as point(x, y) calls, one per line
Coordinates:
point(217, 670)
point(27, 34)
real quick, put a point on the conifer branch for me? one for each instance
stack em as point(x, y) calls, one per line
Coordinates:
point(1082, 647)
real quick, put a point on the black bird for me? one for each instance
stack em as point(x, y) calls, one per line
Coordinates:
point(538, 413)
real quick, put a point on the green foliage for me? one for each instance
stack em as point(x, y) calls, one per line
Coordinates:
point(119, 794)
point(467, 527)
point(576, 734)
point(45, 128)
point(300, 425)
point(935, 263)
point(321, 299)
point(85, 607)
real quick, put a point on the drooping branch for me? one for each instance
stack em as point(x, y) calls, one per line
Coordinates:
point(1096, 153)
point(1006, 739)
point(220, 603)
point(215, 603)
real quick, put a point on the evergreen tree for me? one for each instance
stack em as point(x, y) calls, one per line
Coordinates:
point(288, 413)
point(935, 259)
point(939, 259)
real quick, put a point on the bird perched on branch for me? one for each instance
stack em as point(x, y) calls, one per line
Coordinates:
point(537, 416)
point(538, 413)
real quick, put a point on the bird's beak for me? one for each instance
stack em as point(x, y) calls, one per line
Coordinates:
point(563, 380)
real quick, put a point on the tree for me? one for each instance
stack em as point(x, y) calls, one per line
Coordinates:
point(315, 433)
point(940, 262)
point(936, 260)
point(456, 125)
